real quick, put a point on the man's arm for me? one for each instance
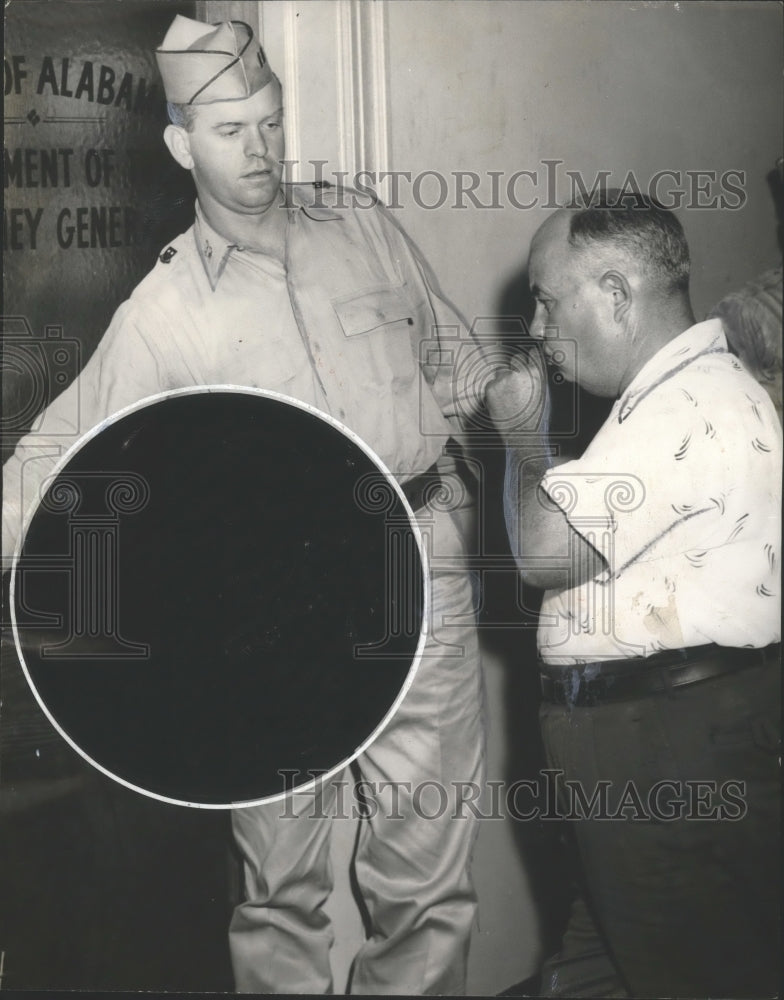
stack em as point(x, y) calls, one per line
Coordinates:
point(450, 352)
point(549, 552)
point(125, 368)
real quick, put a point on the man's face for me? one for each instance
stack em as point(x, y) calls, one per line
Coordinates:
point(571, 307)
point(237, 148)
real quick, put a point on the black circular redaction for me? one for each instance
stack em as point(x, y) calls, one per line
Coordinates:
point(219, 596)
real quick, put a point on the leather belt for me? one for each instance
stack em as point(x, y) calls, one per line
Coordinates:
point(589, 684)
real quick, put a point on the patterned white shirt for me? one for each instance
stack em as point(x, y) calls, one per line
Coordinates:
point(680, 491)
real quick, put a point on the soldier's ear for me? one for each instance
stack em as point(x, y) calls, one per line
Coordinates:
point(179, 145)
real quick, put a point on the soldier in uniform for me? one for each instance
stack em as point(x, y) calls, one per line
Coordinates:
point(283, 287)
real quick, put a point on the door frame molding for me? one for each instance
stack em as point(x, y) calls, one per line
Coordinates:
point(357, 60)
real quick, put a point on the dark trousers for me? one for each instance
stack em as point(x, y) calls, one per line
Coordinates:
point(676, 907)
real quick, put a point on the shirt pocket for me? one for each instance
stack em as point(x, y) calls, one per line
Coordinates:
point(378, 326)
point(373, 309)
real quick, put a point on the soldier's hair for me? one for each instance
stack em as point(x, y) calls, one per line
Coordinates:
point(182, 115)
point(639, 226)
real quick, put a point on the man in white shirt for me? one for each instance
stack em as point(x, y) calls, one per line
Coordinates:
point(658, 551)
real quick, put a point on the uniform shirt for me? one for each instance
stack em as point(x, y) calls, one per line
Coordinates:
point(680, 492)
point(351, 322)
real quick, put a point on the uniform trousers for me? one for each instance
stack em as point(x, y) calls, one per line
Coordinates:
point(412, 861)
point(682, 891)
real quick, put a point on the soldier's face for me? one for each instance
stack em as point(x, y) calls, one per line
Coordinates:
point(237, 148)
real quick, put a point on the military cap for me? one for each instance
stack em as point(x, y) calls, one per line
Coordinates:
point(202, 63)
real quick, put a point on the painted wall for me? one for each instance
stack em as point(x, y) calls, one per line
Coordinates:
point(615, 86)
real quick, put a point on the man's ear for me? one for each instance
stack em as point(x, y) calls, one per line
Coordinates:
point(615, 285)
point(179, 143)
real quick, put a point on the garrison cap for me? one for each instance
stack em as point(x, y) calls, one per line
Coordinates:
point(202, 63)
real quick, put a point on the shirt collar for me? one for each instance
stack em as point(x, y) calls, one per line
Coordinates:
point(698, 340)
point(215, 250)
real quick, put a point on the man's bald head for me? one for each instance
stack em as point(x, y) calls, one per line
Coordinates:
point(631, 230)
point(613, 279)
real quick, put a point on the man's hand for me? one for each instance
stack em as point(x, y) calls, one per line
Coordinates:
point(517, 398)
point(549, 553)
